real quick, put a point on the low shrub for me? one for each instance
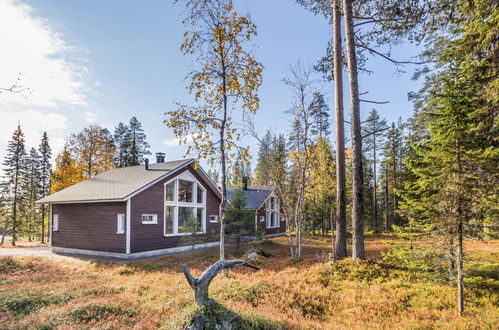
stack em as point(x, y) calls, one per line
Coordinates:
point(411, 259)
point(241, 291)
point(97, 311)
point(25, 302)
point(354, 270)
point(486, 270)
point(9, 265)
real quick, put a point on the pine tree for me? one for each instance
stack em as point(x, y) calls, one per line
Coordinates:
point(373, 139)
point(15, 171)
point(45, 173)
point(320, 117)
point(121, 137)
point(138, 147)
point(264, 162)
point(394, 153)
point(31, 188)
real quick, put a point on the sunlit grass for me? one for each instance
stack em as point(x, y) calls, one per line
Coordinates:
point(43, 292)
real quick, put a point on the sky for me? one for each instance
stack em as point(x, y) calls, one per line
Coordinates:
point(101, 62)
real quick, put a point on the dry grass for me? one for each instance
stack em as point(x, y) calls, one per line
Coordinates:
point(66, 293)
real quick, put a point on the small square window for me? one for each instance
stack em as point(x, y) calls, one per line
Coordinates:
point(149, 219)
point(213, 218)
point(120, 226)
point(262, 218)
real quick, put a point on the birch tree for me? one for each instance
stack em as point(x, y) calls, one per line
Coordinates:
point(227, 77)
point(93, 149)
point(302, 86)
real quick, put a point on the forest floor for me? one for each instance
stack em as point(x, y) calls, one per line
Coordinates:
point(393, 289)
point(20, 244)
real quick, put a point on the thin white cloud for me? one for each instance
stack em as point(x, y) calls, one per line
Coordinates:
point(90, 117)
point(175, 142)
point(35, 51)
point(33, 124)
point(53, 71)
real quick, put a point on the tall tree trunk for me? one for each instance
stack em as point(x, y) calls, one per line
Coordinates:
point(452, 259)
point(223, 203)
point(460, 271)
point(357, 199)
point(341, 214)
point(394, 187)
point(375, 191)
point(387, 210)
point(43, 221)
point(4, 233)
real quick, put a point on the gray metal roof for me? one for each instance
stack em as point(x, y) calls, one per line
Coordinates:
point(255, 196)
point(115, 184)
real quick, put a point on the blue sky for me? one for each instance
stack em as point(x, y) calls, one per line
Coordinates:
point(115, 59)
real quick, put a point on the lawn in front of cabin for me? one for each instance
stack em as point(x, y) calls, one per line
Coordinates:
point(383, 292)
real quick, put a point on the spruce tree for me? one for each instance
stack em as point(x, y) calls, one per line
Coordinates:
point(121, 136)
point(138, 146)
point(373, 139)
point(264, 162)
point(31, 188)
point(45, 173)
point(15, 171)
point(240, 221)
point(320, 117)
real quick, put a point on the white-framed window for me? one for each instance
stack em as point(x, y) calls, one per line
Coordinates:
point(273, 217)
point(213, 218)
point(55, 222)
point(262, 218)
point(120, 224)
point(272, 203)
point(149, 219)
point(185, 206)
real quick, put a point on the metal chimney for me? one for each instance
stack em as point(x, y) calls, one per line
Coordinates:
point(160, 157)
point(146, 164)
point(245, 183)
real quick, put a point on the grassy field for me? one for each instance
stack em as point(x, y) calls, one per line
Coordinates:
point(388, 292)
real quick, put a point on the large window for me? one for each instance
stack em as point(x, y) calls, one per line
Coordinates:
point(185, 206)
point(170, 191)
point(273, 220)
point(169, 219)
point(185, 191)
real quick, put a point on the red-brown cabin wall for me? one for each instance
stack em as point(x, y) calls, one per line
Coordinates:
point(89, 226)
point(263, 224)
point(145, 237)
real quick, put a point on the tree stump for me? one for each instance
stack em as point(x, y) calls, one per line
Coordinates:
point(201, 285)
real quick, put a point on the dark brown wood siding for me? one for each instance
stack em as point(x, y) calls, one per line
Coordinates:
point(89, 226)
point(146, 237)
